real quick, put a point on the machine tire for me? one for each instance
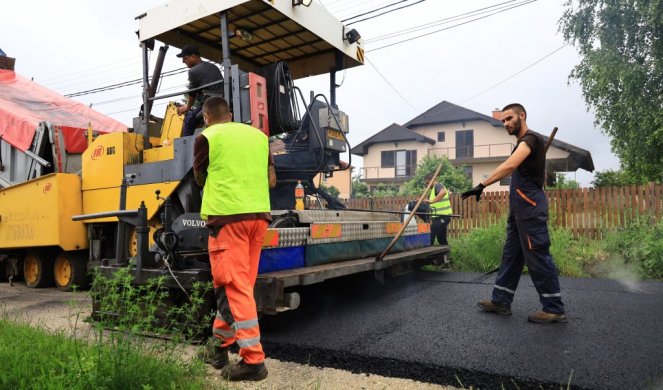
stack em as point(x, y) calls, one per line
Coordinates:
point(70, 270)
point(37, 269)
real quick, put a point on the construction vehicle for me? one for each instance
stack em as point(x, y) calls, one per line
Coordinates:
point(42, 138)
point(140, 201)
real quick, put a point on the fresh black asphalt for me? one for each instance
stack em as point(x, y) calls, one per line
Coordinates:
point(426, 326)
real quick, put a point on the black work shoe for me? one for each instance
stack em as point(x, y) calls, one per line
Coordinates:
point(217, 357)
point(245, 372)
point(542, 317)
point(492, 307)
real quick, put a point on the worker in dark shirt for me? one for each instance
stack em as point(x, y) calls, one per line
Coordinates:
point(200, 73)
point(527, 237)
point(232, 164)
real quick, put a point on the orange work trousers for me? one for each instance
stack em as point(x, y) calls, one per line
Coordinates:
point(234, 255)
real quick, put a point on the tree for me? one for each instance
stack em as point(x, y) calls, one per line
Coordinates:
point(331, 190)
point(359, 188)
point(454, 178)
point(384, 191)
point(621, 75)
point(562, 182)
point(611, 178)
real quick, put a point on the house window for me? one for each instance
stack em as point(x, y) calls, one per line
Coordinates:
point(440, 136)
point(465, 144)
point(387, 160)
point(406, 163)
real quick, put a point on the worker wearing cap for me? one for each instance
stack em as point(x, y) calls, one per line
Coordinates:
point(231, 162)
point(441, 211)
point(200, 73)
point(527, 238)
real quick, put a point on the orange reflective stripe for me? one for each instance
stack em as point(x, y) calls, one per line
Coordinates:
point(271, 238)
point(529, 243)
point(393, 227)
point(423, 228)
point(326, 230)
point(522, 195)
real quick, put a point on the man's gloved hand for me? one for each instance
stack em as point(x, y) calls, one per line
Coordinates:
point(474, 191)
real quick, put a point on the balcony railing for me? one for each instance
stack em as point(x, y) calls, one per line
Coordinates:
point(476, 151)
point(376, 173)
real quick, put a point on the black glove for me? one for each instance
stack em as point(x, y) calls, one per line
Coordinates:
point(474, 191)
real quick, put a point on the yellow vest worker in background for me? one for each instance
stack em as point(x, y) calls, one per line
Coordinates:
point(231, 163)
point(440, 212)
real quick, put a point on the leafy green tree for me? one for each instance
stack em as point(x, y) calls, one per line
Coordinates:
point(454, 178)
point(359, 188)
point(562, 182)
point(384, 191)
point(621, 75)
point(612, 178)
point(331, 190)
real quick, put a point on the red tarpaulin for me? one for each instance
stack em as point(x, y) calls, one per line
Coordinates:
point(23, 104)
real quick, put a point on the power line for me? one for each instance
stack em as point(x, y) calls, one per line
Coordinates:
point(123, 84)
point(386, 12)
point(392, 87)
point(448, 28)
point(516, 74)
point(373, 10)
point(446, 20)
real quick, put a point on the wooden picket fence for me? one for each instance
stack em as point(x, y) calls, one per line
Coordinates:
point(584, 211)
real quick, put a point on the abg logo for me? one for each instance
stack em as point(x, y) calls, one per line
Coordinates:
point(97, 152)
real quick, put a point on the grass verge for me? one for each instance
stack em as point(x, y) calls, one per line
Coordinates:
point(633, 252)
point(34, 358)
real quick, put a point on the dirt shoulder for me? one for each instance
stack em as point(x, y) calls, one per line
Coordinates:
point(60, 311)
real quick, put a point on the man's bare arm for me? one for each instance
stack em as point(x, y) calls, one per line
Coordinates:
point(506, 168)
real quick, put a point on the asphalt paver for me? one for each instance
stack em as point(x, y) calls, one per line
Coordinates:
point(426, 326)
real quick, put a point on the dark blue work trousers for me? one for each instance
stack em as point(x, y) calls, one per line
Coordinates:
point(528, 242)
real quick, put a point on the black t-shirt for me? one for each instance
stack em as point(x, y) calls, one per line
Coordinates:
point(534, 166)
point(204, 73)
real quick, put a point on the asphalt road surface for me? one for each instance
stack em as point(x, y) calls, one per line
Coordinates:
point(426, 327)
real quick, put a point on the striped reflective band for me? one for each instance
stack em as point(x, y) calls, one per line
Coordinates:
point(326, 230)
point(245, 343)
point(505, 289)
point(556, 295)
point(245, 324)
point(393, 227)
point(224, 333)
point(271, 238)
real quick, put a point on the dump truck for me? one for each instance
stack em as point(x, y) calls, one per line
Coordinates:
point(140, 204)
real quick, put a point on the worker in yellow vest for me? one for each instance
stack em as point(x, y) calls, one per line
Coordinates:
point(231, 163)
point(440, 211)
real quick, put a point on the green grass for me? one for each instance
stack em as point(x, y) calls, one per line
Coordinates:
point(34, 358)
point(632, 252)
point(113, 352)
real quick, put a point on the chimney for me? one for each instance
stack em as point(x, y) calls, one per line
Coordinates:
point(7, 63)
point(497, 114)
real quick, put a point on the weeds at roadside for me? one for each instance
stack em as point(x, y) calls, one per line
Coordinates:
point(96, 358)
point(627, 254)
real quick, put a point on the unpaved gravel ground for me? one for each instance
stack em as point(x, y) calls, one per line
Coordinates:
point(60, 311)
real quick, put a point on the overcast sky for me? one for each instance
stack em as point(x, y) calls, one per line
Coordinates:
point(513, 55)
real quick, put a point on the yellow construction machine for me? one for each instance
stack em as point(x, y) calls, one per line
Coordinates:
point(136, 204)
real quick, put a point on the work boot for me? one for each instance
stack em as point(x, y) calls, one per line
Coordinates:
point(542, 317)
point(217, 357)
point(245, 372)
point(492, 307)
